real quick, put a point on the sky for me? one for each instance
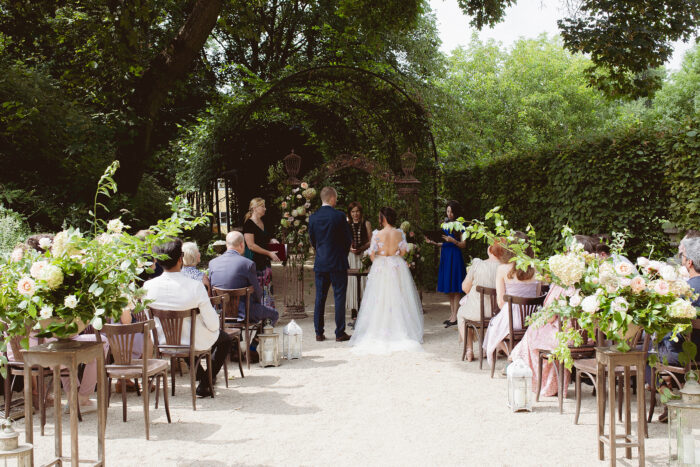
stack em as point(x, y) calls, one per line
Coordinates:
point(528, 19)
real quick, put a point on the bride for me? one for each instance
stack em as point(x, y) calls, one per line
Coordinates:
point(390, 317)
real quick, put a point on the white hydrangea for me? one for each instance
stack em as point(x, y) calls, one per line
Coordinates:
point(568, 268)
point(682, 309)
point(52, 275)
point(590, 304)
point(62, 245)
point(115, 226)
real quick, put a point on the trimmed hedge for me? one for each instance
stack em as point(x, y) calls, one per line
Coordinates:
point(606, 184)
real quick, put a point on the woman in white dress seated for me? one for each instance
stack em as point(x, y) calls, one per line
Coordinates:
point(509, 281)
point(480, 273)
point(390, 317)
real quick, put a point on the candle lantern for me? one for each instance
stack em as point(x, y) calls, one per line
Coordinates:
point(519, 386)
point(268, 348)
point(684, 424)
point(291, 340)
point(11, 450)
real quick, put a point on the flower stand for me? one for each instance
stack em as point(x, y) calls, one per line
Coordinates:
point(608, 358)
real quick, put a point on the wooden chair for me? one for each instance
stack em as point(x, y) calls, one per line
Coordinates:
point(526, 307)
point(673, 371)
point(589, 367)
point(220, 302)
point(232, 320)
point(587, 350)
point(480, 326)
point(171, 322)
point(121, 343)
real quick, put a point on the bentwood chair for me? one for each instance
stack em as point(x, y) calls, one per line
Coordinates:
point(121, 339)
point(231, 318)
point(482, 324)
point(526, 307)
point(220, 302)
point(171, 323)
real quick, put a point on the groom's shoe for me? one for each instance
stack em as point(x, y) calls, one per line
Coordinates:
point(342, 338)
point(320, 337)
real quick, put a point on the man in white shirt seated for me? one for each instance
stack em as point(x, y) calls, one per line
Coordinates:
point(173, 291)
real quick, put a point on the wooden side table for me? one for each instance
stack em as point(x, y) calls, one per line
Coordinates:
point(69, 355)
point(358, 275)
point(608, 359)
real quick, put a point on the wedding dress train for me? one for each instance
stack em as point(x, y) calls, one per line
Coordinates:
point(391, 316)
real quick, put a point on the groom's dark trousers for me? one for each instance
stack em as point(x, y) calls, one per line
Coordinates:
point(330, 235)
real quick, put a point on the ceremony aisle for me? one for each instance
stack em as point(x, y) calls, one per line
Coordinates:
point(333, 408)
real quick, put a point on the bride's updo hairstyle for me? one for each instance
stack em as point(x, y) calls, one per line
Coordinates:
point(389, 214)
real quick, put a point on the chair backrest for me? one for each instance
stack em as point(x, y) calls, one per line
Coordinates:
point(171, 322)
point(121, 339)
point(221, 303)
point(231, 311)
point(527, 306)
point(492, 297)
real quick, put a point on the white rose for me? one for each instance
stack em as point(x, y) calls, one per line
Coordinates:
point(655, 265)
point(575, 300)
point(17, 255)
point(70, 301)
point(115, 226)
point(52, 275)
point(298, 196)
point(642, 261)
point(590, 304)
point(661, 287)
point(624, 268)
point(620, 304)
point(638, 284)
point(26, 286)
point(46, 312)
point(683, 273)
point(45, 243)
point(295, 213)
point(668, 273)
point(37, 268)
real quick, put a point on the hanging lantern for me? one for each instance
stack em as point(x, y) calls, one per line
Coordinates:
point(519, 386)
point(408, 164)
point(268, 348)
point(10, 449)
point(291, 341)
point(684, 424)
point(292, 164)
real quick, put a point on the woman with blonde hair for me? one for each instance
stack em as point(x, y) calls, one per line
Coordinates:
point(190, 259)
point(256, 239)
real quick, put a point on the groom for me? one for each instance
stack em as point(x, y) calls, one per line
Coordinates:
point(331, 238)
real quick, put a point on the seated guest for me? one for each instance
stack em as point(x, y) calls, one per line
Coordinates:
point(232, 270)
point(545, 337)
point(510, 281)
point(190, 259)
point(480, 273)
point(173, 291)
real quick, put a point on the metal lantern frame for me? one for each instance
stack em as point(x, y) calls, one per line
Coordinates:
point(268, 347)
point(519, 386)
point(684, 424)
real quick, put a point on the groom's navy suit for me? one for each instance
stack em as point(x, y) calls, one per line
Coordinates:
point(331, 238)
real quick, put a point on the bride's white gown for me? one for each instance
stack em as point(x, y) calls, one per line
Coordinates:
point(390, 317)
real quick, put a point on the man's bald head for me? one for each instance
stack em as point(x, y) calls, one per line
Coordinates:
point(234, 241)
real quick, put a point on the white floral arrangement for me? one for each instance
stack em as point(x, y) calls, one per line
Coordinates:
point(296, 208)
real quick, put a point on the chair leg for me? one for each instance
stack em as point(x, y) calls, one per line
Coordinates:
point(226, 360)
point(247, 347)
point(138, 388)
point(123, 385)
point(652, 399)
point(146, 405)
point(173, 361)
point(578, 396)
point(165, 394)
point(157, 389)
point(240, 357)
point(42, 406)
point(109, 390)
point(193, 371)
point(559, 370)
point(620, 388)
point(210, 374)
point(8, 393)
point(464, 346)
point(540, 361)
point(480, 336)
point(493, 362)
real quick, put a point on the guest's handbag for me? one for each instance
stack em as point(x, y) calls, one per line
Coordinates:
point(280, 249)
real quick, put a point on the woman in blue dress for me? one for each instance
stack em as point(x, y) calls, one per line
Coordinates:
point(452, 269)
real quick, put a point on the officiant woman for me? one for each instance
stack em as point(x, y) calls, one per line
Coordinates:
point(257, 238)
point(361, 234)
point(452, 270)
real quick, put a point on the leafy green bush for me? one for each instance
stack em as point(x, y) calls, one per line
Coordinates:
point(632, 181)
point(13, 230)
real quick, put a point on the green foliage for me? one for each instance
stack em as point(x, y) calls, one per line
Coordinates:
point(499, 101)
point(13, 230)
point(598, 185)
point(679, 99)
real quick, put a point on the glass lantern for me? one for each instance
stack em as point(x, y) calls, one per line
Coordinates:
point(519, 386)
point(10, 450)
point(291, 341)
point(268, 348)
point(684, 424)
